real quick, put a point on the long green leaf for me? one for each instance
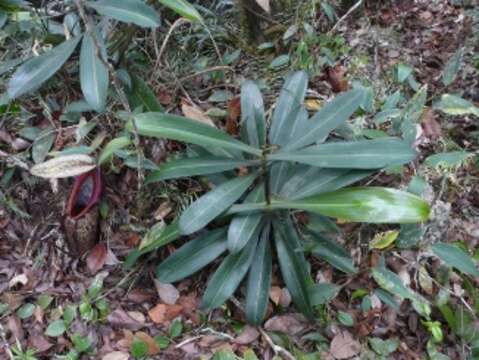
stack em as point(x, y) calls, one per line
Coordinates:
point(35, 71)
point(169, 234)
point(187, 130)
point(259, 280)
point(309, 181)
point(129, 11)
point(452, 67)
point(213, 203)
point(364, 204)
point(288, 106)
point(252, 113)
point(228, 276)
point(196, 166)
point(192, 256)
point(332, 253)
point(114, 145)
point(456, 258)
point(293, 267)
point(183, 8)
point(327, 119)
point(455, 105)
point(141, 94)
point(322, 293)
point(244, 227)
point(93, 72)
point(366, 154)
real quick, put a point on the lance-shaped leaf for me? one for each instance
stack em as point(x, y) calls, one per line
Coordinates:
point(293, 266)
point(114, 145)
point(288, 107)
point(308, 181)
point(213, 203)
point(363, 204)
point(259, 280)
point(140, 94)
point(196, 166)
point(192, 256)
point(35, 71)
point(366, 154)
point(167, 235)
point(129, 11)
point(456, 258)
point(64, 166)
point(245, 227)
point(327, 119)
point(332, 253)
point(183, 8)
point(93, 72)
point(191, 131)
point(252, 113)
point(228, 276)
point(455, 105)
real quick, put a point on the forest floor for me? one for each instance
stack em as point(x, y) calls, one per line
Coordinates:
point(114, 312)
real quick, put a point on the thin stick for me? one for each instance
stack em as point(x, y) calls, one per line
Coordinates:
point(176, 24)
point(278, 350)
point(349, 12)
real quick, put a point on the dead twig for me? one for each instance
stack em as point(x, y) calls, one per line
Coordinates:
point(349, 12)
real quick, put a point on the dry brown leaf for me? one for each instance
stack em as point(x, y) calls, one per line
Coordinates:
point(285, 298)
point(116, 355)
point(164, 312)
point(343, 346)
point(96, 259)
point(39, 342)
point(336, 78)
point(313, 104)
point(196, 113)
point(167, 292)
point(275, 294)
point(265, 5)
point(430, 126)
point(247, 336)
point(234, 113)
point(120, 318)
point(153, 347)
point(290, 324)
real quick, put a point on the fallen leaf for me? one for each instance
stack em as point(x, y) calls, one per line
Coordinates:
point(40, 343)
point(164, 312)
point(195, 113)
point(313, 104)
point(153, 347)
point(15, 326)
point(264, 5)
point(167, 293)
point(116, 355)
point(120, 318)
point(430, 126)
point(285, 298)
point(247, 336)
point(138, 316)
point(275, 294)
point(96, 259)
point(290, 324)
point(343, 346)
point(234, 113)
point(19, 279)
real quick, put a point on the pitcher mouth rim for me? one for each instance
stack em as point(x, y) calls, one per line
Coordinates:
point(95, 176)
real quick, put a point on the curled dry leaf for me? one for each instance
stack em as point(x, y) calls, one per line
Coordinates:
point(247, 336)
point(96, 259)
point(290, 324)
point(164, 312)
point(275, 294)
point(64, 166)
point(167, 292)
point(265, 5)
point(344, 346)
point(121, 319)
point(195, 113)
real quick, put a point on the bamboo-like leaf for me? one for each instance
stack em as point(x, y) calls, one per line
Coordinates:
point(289, 105)
point(141, 94)
point(114, 145)
point(64, 166)
point(168, 234)
point(245, 227)
point(187, 130)
point(452, 67)
point(192, 256)
point(259, 280)
point(293, 267)
point(196, 166)
point(363, 204)
point(309, 181)
point(366, 154)
point(129, 11)
point(252, 113)
point(183, 8)
point(228, 276)
point(213, 203)
point(35, 71)
point(455, 105)
point(332, 253)
point(327, 119)
point(456, 258)
point(93, 72)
